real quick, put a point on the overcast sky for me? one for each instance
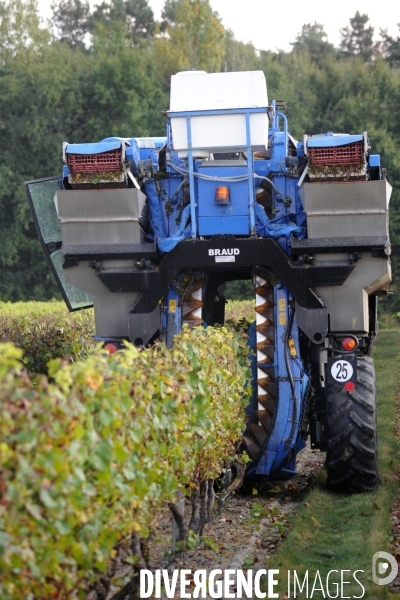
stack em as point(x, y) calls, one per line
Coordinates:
point(274, 25)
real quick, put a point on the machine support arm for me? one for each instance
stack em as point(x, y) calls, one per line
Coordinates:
point(201, 254)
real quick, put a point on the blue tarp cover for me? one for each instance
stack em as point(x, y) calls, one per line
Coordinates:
point(333, 140)
point(165, 244)
point(155, 211)
point(267, 228)
point(92, 148)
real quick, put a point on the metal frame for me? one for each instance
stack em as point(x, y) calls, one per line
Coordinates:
point(255, 251)
point(247, 147)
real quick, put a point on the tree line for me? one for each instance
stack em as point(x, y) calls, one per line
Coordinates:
point(87, 74)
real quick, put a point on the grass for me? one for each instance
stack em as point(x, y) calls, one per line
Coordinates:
point(341, 532)
point(388, 320)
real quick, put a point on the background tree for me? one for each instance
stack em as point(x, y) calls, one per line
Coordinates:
point(289, 78)
point(391, 47)
point(238, 56)
point(137, 15)
point(111, 89)
point(70, 18)
point(23, 272)
point(314, 39)
point(121, 95)
point(168, 14)
point(357, 40)
point(20, 28)
point(195, 36)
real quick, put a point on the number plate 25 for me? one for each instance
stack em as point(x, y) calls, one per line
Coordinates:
point(342, 370)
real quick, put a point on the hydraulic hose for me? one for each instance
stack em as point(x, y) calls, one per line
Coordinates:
point(290, 377)
point(231, 179)
point(269, 181)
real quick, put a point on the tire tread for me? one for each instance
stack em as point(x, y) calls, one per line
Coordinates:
point(352, 456)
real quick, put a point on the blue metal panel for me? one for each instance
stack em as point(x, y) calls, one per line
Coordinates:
point(238, 192)
point(375, 160)
point(133, 152)
point(92, 148)
point(300, 149)
point(158, 141)
point(329, 140)
point(233, 225)
point(152, 153)
point(172, 316)
point(152, 150)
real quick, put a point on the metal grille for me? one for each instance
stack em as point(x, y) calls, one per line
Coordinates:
point(349, 154)
point(95, 163)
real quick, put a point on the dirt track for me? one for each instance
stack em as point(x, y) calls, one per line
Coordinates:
point(250, 527)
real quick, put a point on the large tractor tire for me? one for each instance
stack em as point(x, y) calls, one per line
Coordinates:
point(352, 455)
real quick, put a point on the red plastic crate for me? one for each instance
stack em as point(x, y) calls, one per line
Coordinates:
point(349, 154)
point(95, 163)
